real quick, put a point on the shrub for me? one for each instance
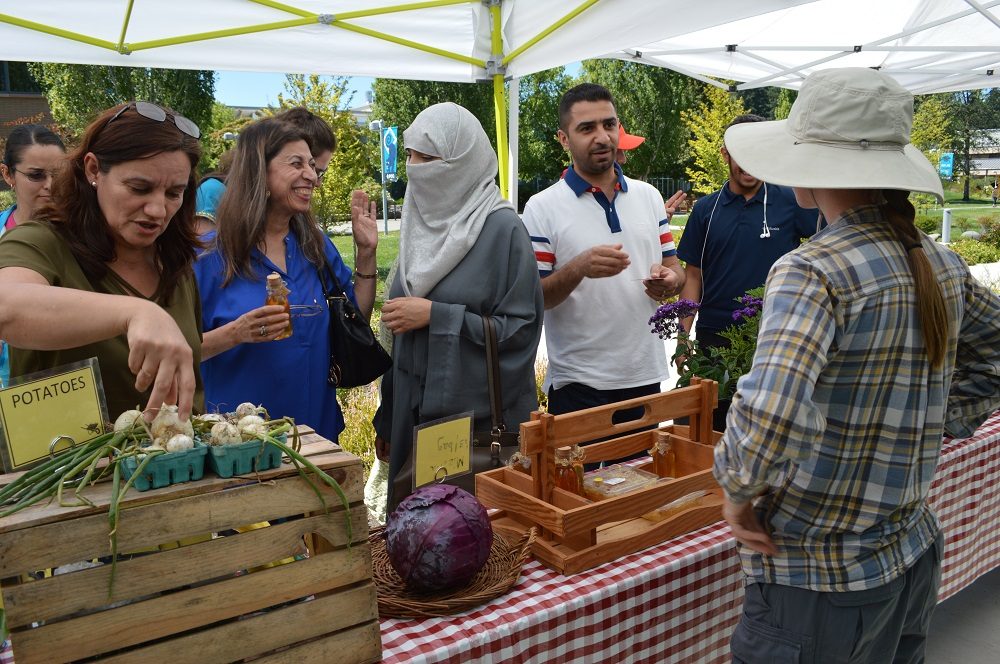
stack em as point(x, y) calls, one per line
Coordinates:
point(991, 231)
point(927, 224)
point(358, 437)
point(976, 251)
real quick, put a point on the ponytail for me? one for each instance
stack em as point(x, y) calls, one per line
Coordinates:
point(900, 214)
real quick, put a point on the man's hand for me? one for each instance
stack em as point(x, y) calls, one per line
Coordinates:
point(382, 449)
point(662, 282)
point(674, 202)
point(746, 528)
point(604, 260)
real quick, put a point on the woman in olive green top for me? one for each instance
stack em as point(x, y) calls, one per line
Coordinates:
point(105, 268)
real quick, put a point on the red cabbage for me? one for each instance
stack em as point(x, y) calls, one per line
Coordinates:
point(439, 537)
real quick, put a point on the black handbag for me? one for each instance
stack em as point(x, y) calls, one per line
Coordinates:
point(356, 357)
point(490, 447)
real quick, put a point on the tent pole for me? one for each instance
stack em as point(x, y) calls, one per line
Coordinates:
point(513, 127)
point(128, 17)
point(499, 97)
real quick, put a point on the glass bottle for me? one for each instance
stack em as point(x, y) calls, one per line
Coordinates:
point(566, 476)
point(576, 457)
point(277, 293)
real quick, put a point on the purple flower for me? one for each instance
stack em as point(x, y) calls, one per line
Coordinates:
point(751, 306)
point(665, 322)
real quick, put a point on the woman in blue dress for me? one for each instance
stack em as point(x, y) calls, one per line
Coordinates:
point(265, 225)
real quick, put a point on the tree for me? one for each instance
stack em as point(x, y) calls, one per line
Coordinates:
point(540, 154)
point(707, 125)
point(349, 167)
point(931, 133)
point(784, 104)
point(397, 102)
point(973, 113)
point(650, 102)
point(78, 93)
point(213, 144)
point(761, 101)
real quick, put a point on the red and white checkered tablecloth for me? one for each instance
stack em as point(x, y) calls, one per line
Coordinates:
point(679, 601)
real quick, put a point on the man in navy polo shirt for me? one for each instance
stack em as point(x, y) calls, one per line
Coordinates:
point(606, 256)
point(730, 242)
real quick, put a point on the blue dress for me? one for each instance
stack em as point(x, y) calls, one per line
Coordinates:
point(287, 377)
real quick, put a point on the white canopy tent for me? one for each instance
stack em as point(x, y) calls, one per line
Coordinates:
point(929, 45)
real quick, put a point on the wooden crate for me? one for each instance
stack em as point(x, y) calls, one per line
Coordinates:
point(195, 603)
point(578, 533)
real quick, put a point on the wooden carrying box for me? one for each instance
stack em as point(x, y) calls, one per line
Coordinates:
point(578, 533)
point(197, 603)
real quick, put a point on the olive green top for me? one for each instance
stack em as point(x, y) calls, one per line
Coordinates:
point(36, 246)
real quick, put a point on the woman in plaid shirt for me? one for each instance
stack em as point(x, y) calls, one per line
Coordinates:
point(874, 342)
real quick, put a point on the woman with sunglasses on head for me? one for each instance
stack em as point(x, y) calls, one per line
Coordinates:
point(266, 227)
point(31, 156)
point(106, 263)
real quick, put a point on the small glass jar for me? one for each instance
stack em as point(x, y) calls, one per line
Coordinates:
point(566, 476)
point(277, 293)
point(519, 462)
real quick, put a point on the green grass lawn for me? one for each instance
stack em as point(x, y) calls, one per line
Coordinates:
point(385, 256)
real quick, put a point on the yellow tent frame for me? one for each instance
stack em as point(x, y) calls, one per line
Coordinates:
point(494, 68)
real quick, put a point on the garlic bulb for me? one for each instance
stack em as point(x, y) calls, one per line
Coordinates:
point(246, 408)
point(179, 443)
point(208, 418)
point(127, 420)
point(168, 424)
point(252, 427)
point(224, 433)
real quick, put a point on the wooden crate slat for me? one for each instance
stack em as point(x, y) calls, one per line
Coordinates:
point(494, 493)
point(259, 634)
point(176, 612)
point(360, 644)
point(144, 526)
point(87, 590)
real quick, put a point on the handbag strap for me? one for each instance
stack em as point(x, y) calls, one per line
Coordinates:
point(497, 426)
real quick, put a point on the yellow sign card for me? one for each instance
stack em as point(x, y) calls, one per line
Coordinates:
point(35, 412)
point(442, 449)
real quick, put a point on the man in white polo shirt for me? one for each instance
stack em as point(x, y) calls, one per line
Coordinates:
point(606, 257)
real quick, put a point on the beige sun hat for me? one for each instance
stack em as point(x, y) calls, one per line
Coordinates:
point(848, 129)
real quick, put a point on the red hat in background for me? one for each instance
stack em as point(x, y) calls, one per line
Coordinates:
point(627, 141)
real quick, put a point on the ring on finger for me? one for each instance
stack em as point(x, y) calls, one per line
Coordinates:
point(263, 330)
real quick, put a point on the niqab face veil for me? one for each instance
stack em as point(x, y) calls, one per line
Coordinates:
point(447, 200)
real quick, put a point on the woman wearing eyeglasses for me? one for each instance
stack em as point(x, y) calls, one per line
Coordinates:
point(264, 226)
point(30, 158)
point(106, 263)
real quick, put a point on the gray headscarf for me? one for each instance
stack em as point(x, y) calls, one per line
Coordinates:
point(447, 200)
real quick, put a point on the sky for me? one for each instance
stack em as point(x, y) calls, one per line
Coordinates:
point(241, 88)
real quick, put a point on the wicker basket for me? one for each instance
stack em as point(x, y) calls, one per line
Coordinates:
point(499, 574)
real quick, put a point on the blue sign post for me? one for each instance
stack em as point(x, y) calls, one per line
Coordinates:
point(946, 165)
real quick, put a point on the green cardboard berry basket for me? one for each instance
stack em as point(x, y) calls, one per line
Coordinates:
point(166, 469)
point(244, 458)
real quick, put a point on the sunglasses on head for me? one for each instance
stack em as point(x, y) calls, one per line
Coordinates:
point(157, 114)
point(35, 175)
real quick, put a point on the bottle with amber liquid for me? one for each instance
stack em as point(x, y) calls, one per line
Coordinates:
point(277, 293)
point(566, 475)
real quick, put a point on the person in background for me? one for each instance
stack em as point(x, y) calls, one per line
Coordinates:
point(874, 341)
point(210, 191)
point(463, 254)
point(732, 238)
point(626, 142)
point(265, 225)
point(106, 263)
point(606, 257)
point(30, 159)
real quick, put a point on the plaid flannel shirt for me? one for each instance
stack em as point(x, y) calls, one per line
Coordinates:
point(839, 422)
